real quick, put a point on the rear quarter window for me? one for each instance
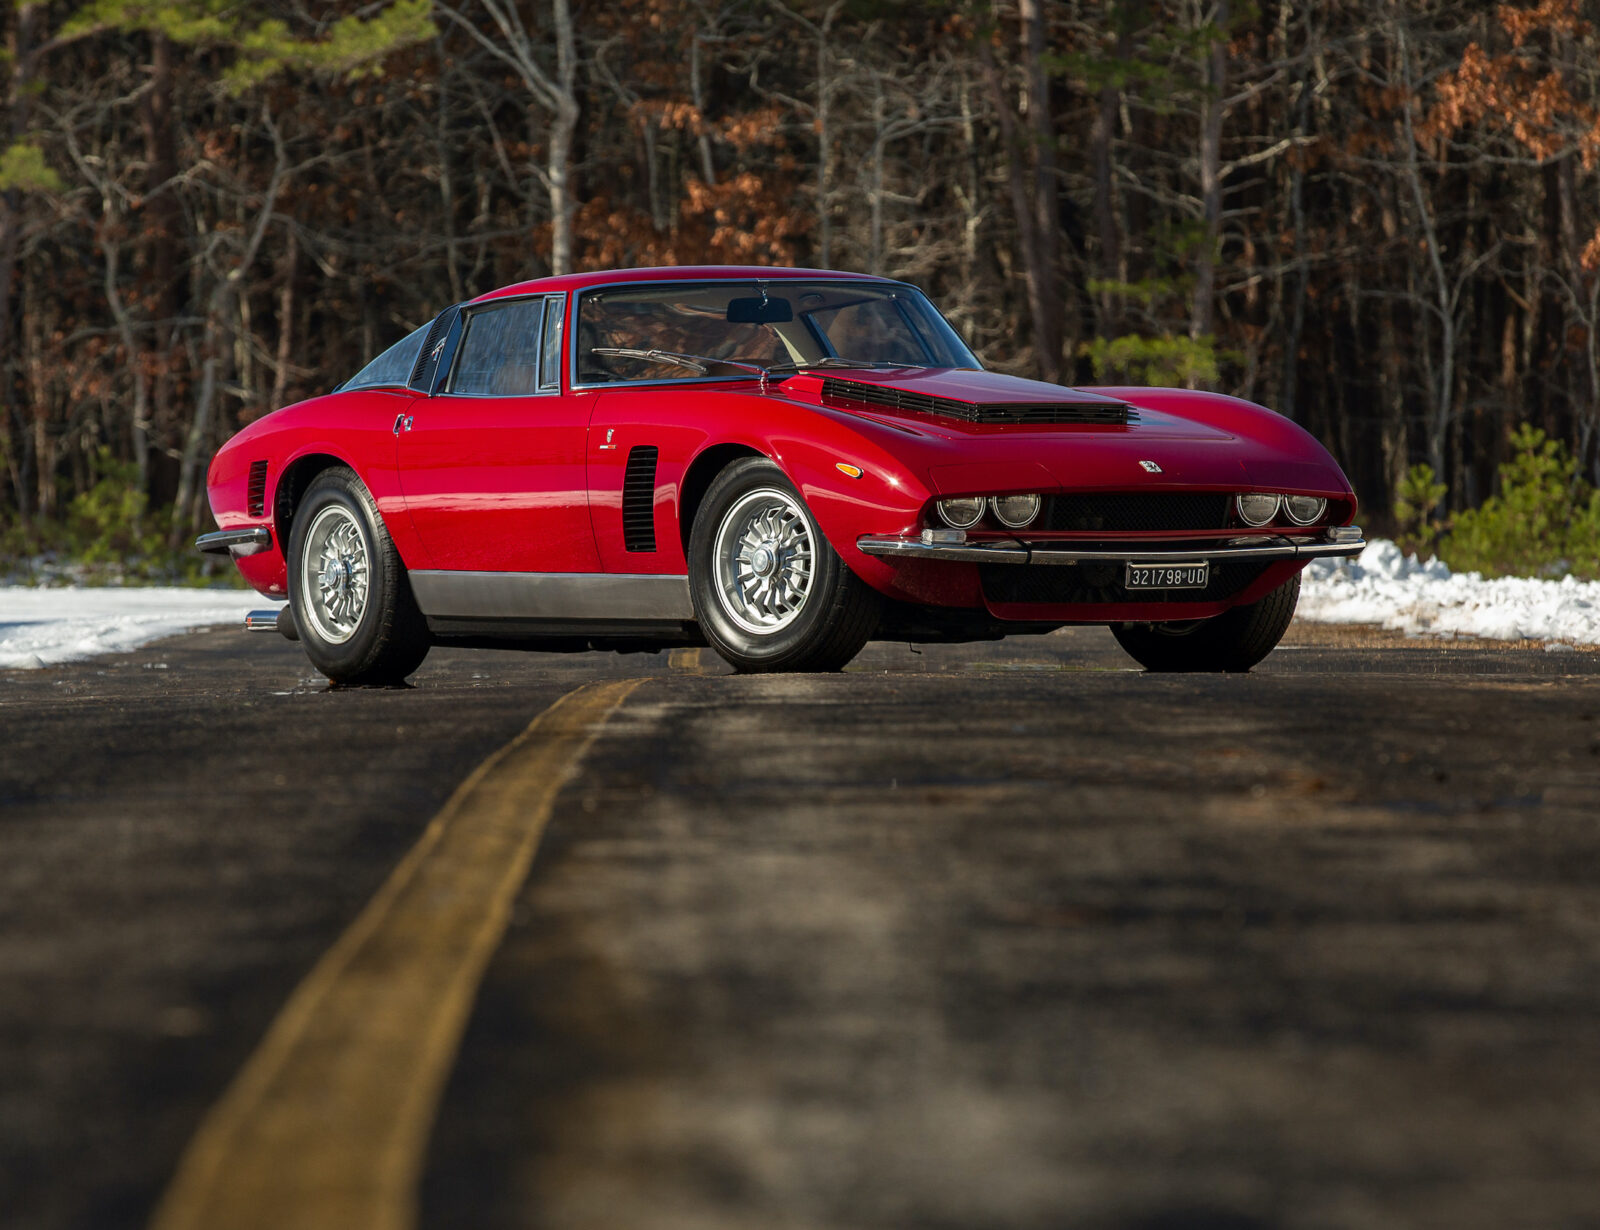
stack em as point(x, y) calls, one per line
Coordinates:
point(393, 366)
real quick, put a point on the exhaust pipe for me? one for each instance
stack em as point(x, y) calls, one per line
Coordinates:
point(278, 620)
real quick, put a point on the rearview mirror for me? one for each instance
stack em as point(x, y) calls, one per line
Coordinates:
point(759, 311)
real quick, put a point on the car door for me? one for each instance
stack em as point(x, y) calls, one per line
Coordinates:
point(491, 459)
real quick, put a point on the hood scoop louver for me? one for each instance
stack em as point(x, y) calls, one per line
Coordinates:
point(886, 397)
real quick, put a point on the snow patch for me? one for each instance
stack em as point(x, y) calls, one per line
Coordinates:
point(41, 627)
point(1385, 586)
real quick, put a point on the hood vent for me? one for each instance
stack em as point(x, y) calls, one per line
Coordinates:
point(886, 397)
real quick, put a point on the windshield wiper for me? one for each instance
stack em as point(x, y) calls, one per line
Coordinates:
point(835, 361)
point(694, 362)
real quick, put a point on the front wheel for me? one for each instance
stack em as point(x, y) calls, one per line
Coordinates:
point(1233, 641)
point(348, 590)
point(769, 591)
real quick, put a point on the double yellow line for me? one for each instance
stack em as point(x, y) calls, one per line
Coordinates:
point(327, 1124)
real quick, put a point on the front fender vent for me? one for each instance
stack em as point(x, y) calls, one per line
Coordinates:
point(256, 493)
point(884, 397)
point(639, 499)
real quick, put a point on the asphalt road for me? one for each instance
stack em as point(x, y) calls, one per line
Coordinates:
point(1000, 936)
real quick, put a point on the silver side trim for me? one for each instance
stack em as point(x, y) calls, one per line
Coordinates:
point(551, 595)
point(237, 542)
point(1010, 551)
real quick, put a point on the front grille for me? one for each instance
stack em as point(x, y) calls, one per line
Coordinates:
point(256, 493)
point(1101, 581)
point(882, 397)
point(1120, 511)
point(639, 499)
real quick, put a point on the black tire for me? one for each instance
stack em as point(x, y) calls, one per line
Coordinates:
point(1233, 641)
point(832, 612)
point(372, 636)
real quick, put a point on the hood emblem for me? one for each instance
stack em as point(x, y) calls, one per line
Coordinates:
point(1150, 467)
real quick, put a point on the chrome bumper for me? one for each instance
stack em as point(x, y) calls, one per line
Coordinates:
point(1340, 541)
point(235, 542)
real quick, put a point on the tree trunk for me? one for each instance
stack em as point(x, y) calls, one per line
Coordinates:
point(285, 356)
point(1046, 207)
point(19, 55)
point(880, 138)
point(708, 171)
point(1202, 321)
point(1101, 135)
point(563, 126)
point(1038, 270)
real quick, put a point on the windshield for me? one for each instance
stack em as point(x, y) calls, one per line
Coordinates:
point(691, 330)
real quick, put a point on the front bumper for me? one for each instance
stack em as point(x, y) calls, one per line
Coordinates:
point(235, 542)
point(1343, 540)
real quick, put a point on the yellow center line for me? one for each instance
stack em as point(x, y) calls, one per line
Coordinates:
point(688, 661)
point(327, 1124)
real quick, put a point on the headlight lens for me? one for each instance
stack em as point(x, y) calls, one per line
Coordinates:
point(1015, 511)
point(962, 513)
point(1304, 509)
point(1257, 507)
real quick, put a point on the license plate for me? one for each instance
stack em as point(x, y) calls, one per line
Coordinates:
point(1187, 575)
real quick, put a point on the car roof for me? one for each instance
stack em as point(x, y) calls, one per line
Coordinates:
point(669, 273)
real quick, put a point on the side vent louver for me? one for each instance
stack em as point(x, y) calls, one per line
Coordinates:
point(885, 397)
point(256, 499)
point(425, 356)
point(639, 499)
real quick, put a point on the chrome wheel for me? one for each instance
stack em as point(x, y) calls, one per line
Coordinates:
point(334, 576)
point(764, 557)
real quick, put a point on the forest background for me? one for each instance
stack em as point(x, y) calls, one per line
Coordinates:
point(1379, 217)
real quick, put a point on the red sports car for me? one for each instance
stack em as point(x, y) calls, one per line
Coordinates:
point(781, 463)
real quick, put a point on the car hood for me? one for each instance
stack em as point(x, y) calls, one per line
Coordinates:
point(977, 427)
point(964, 403)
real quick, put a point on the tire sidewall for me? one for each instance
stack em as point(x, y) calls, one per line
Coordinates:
point(350, 657)
point(1232, 642)
point(750, 650)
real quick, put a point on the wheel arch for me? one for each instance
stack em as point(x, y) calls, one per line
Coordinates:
point(292, 485)
point(697, 480)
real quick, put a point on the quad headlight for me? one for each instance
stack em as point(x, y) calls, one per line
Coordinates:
point(1304, 509)
point(1015, 511)
point(1257, 507)
point(963, 512)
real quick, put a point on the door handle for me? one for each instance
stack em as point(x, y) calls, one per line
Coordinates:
point(401, 421)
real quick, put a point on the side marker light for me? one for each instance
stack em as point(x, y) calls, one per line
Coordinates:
point(848, 470)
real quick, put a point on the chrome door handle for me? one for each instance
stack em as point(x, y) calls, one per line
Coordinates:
point(402, 420)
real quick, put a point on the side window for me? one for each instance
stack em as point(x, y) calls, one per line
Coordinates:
point(393, 366)
point(550, 361)
point(500, 351)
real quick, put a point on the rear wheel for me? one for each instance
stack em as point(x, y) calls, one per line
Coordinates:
point(1233, 641)
point(769, 591)
point(348, 589)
